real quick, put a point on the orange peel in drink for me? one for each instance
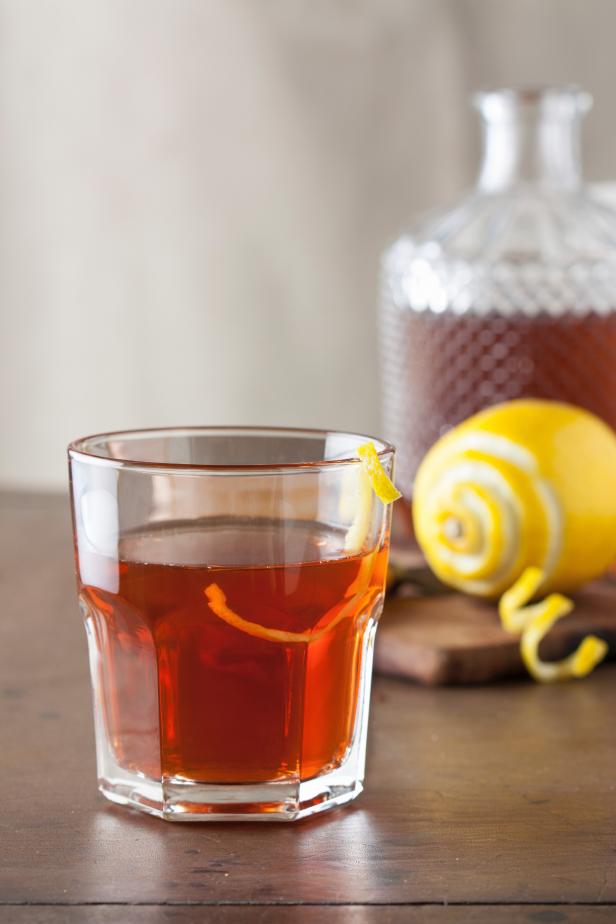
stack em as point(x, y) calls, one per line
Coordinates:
point(217, 602)
point(371, 479)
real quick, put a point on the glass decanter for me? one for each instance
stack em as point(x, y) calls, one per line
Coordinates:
point(512, 293)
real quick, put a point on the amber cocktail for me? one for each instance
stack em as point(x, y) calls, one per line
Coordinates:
point(231, 581)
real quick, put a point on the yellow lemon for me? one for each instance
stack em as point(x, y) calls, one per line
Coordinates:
point(524, 484)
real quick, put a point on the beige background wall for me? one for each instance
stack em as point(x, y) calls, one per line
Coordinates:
point(195, 193)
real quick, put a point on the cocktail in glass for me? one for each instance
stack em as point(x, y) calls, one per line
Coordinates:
point(231, 581)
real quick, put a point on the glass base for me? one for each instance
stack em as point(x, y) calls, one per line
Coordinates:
point(280, 801)
point(179, 799)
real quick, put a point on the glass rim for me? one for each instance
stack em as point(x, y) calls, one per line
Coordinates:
point(79, 450)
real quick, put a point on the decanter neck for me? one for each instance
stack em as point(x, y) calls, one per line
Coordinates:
point(531, 136)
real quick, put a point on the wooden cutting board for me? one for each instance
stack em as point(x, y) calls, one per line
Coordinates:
point(434, 636)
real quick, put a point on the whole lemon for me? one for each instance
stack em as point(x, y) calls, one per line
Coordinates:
point(526, 483)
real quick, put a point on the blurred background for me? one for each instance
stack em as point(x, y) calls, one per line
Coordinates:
point(195, 194)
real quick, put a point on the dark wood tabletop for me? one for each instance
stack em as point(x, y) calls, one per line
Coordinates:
point(486, 804)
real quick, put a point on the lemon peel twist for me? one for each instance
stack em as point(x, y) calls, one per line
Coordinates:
point(535, 620)
point(372, 479)
point(382, 485)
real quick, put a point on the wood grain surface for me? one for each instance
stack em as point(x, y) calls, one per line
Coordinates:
point(309, 914)
point(501, 795)
point(453, 638)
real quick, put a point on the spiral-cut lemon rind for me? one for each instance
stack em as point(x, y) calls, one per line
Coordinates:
point(499, 447)
point(569, 457)
point(554, 523)
point(534, 620)
point(457, 485)
point(503, 493)
point(514, 610)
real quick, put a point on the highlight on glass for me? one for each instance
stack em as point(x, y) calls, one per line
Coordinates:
point(231, 580)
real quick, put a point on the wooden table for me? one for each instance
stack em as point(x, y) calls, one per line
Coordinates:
point(486, 804)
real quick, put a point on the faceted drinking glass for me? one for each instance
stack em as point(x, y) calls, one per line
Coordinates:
point(231, 580)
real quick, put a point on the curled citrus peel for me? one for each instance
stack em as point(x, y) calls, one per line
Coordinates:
point(514, 610)
point(382, 485)
point(358, 495)
point(371, 479)
point(535, 620)
point(217, 602)
point(581, 662)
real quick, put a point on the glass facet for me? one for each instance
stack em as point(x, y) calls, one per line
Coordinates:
point(512, 292)
point(231, 581)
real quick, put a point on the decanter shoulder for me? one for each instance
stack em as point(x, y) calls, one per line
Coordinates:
point(521, 250)
point(521, 225)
